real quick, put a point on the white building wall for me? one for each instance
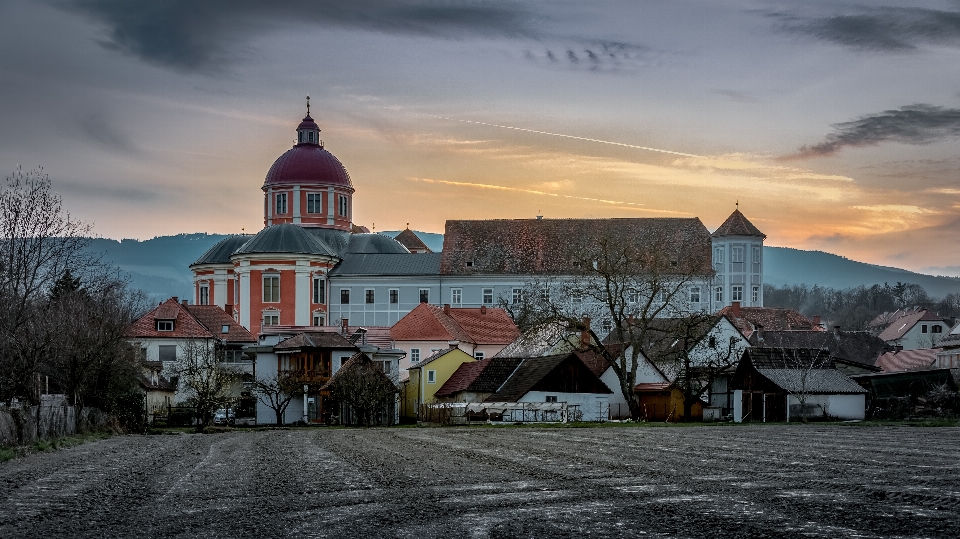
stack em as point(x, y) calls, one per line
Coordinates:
point(834, 406)
point(747, 274)
point(594, 406)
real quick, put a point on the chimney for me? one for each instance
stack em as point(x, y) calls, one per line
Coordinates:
point(446, 309)
point(175, 299)
point(585, 333)
point(228, 308)
point(836, 330)
point(735, 307)
point(186, 302)
point(343, 325)
point(816, 319)
point(483, 309)
point(759, 332)
point(453, 344)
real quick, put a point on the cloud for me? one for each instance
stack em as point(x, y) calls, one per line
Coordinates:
point(884, 29)
point(913, 124)
point(205, 36)
point(96, 128)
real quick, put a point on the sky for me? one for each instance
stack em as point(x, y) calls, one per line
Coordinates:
point(834, 125)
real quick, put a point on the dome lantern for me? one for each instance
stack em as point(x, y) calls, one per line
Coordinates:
point(308, 132)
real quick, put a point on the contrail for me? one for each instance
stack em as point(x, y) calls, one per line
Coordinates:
point(637, 205)
point(567, 136)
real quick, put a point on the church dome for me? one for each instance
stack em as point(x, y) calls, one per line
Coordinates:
point(308, 164)
point(285, 239)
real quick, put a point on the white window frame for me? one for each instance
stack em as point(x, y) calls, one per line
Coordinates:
point(756, 255)
point(165, 325)
point(424, 295)
point(516, 296)
point(487, 296)
point(718, 294)
point(576, 297)
point(270, 318)
point(736, 293)
point(319, 319)
point(314, 202)
point(394, 295)
point(431, 377)
point(718, 255)
point(694, 294)
point(369, 296)
point(414, 356)
point(204, 294)
point(755, 294)
point(736, 254)
point(319, 291)
point(342, 205)
point(264, 279)
point(456, 296)
point(478, 355)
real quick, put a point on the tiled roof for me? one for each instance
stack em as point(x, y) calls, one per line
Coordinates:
point(908, 360)
point(428, 322)
point(905, 323)
point(594, 361)
point(652, 386)
point(285, 239)
point(881, 321)
point(461, 379)
point(214, 318)
point(532, 371)
point(495, 372)
point(857, 346)
point(314, 339)
point(388, 264)
point(411, 241)
point(537, 341)
point(185, 326)
point(737, 225)
point(374, 243)
point(545, 246)
point(221, 252)
point(771, 318)
point(437, 355)
point(800, 370)
point(778, 358)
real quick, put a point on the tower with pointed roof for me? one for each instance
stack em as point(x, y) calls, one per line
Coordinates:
point(738, 262)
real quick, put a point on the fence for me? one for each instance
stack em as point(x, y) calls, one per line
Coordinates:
point(52, 418)
point(461, 413)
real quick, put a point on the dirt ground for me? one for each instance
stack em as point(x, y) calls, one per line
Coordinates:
point(744, 481)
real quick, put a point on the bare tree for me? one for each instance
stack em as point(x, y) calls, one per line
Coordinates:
point(209, 383)
point(363, 388)
point(620, 285)
point(277, 391)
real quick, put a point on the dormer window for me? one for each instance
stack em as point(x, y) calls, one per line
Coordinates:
point(225, 328)
point(164, 325)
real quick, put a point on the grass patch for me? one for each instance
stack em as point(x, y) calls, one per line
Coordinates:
point(45, 446)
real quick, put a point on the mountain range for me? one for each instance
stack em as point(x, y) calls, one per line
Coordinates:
point(160, 266)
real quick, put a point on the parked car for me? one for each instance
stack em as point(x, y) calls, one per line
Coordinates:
point(223, 417)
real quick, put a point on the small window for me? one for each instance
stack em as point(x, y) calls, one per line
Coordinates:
point(314, 203)
point(712, 342)
point(386, 367)
point(431, 377)
point(271, 288)
point(469, 263)
point(143, 354)
point(456, 296)
point(204, 295)
point(551, 398)
point(368, 296)
point(345, 296)
point(517, 296)
point(478, 355)
point(225, 328)
point(755, 294)
point(394, 296)
point(545, 294)
point(488, 296)
point(718, 293)
point(576, 296)
point(281, 203)
point(310, 136)
point(633, 297)
point(756, 255)
point(424, 295)
point(736, 293)
point(936, 329)
point(319, 319)
point(342, 206)
point(271, 319)
point(694, 294)
point(736, 254)
point(606, 326)
point(319, 291)
point(167, 325)
point(168, 352)
point(414, 355)
point(718, 255)
point(923, 328)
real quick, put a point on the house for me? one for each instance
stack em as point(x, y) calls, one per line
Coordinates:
point(918, 359)
point(317, 354)
point(166, 331)
point(554, 379)
point(480, 332)
point(949, 355)
point(749, 319)
point(784, 384)
point(362, 393)
point(428, 376)
point(904, 384)
point(920, 328)
point(475, 381)
point(159, 392)
point(853, 352)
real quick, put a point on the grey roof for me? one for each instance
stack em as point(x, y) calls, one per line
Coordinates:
point(389, 264)
point(373, 243)
point(286, 238)
point(220, 253)
point(537, 341)
point(858, 346)
point(338, 240)
point(812, 381)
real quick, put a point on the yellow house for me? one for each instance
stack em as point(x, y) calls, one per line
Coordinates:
point(428, 375)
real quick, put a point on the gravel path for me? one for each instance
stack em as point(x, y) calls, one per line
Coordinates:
point(747, 481)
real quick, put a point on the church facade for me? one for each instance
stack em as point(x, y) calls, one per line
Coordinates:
point(312, 266)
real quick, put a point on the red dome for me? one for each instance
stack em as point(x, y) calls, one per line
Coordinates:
point(308, 123)
point(308, 164)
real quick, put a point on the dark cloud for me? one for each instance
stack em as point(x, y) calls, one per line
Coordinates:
point(887, 29)
point(913, 124)
point(96, 128)
point(205, 36)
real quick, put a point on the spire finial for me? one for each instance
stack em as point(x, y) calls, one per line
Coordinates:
point(737, 204)
point(308, 105)
point(408, 225)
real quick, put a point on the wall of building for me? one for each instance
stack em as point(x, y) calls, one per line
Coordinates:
point(747, 274)
point(593, 406)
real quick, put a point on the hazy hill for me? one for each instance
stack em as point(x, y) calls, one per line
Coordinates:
point(783, 265)
point(160, 266)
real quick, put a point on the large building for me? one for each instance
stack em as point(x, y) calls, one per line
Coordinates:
point(312, 266)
